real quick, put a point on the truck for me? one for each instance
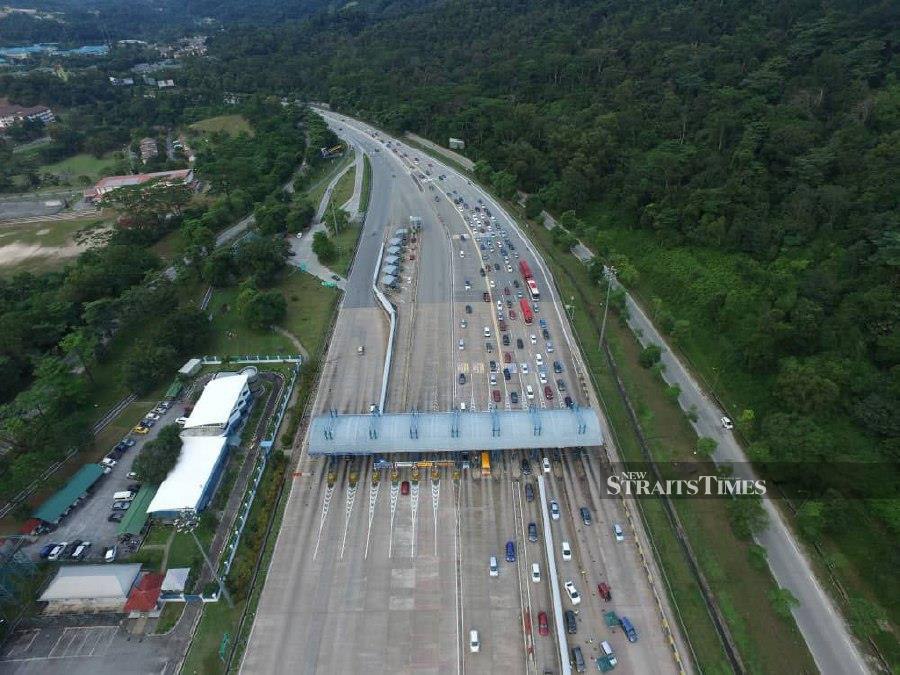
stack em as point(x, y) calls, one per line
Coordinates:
point(527, 316)
point(525, 270)
point(629, 629)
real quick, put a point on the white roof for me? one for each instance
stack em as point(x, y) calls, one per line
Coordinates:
point(92, 582)
point(188, 368)
point(175, 580)
point(184, 485)
point(217, 401)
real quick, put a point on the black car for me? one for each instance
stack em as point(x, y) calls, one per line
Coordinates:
point(529, 492)
point(468, 309)
point(505, 340)
point(134, 487)
point(568, 401)
point(116, 516)
point(462, 378)
point(496, 267)
point(557, 367)
point(546, 334)
point(526, 467)
point(506, 374)
point(519, 343)
point(560, 385)
point(513, 397)
point(532, 532)
point(68, 550)
point(481, 272)
point(516, 283)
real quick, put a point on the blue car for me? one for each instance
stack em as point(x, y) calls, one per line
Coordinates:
point(46, 550)
point(510, 552)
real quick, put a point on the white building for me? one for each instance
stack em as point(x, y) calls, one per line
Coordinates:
point(219, 406)
point(204, 447)
point(97, 587)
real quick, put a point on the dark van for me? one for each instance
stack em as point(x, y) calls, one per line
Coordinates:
point(510, 552)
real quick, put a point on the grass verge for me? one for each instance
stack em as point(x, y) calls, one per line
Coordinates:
point(230, 124)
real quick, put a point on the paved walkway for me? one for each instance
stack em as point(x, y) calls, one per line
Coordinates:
point(302, 253)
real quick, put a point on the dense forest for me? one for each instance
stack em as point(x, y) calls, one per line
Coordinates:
point(739, 159)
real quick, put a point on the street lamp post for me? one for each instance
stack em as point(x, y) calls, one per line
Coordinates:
point(188, 522)
point(609, 273)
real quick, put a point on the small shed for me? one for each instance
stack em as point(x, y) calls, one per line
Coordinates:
point(389, 280)
point(401, 232)
point(99, 587)
point(390, 270)
point(176, 580)
point(392, 260)
point(394, 250)
point(396, 241)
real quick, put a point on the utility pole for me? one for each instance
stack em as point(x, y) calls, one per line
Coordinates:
point(188, 523)
point(610, 274)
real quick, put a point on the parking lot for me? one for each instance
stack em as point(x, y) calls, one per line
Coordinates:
point(89, 520)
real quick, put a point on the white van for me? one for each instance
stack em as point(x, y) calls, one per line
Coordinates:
point(474, 644)
point(608, 652)
point(535, 572)
point(124, 496)
point(494, 567)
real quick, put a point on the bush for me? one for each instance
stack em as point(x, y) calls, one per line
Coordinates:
point(650, 355)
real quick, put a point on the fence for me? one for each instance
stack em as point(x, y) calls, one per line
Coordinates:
point(253, 484)
point(211, 360)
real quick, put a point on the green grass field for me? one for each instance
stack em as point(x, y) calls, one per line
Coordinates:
point(83, 165)
point(309, 306)
point(230, 124)
point(344, 188)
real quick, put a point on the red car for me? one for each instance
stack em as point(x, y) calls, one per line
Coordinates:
point(512, 314)
point(496, 396)
point(603, 590)
point(543, 628)
point(404, 487)
point(507, 357)
point(506, 291)
point(548, 393)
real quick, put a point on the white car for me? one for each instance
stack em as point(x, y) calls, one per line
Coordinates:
point(181, 421)
point(534, 339)
point(554, 510)
point(727, 423)
point(462, 343)
point(539, 359)
point(524, 367)
point(463, 324)
point(529, 392)
point(574, 595)
point(493, 284)
point(535, 572)
point(617, 530)
point(493, 567)
point(543, 377)
point(566, 551)
point(546, 464)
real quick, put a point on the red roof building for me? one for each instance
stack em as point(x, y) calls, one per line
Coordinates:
point(145, 595)
point(110, 183)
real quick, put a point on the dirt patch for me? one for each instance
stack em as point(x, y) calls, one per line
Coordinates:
point(16, 254)
point(42, 232)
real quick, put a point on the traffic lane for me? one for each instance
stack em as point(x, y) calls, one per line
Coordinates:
point(618, 564)
point(490, 605)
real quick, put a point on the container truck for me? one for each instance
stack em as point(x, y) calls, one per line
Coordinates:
point(526, 310)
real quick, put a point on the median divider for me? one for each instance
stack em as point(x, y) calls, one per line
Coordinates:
point(392, 315)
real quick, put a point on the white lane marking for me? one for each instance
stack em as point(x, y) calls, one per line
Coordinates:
point(414, 504)
point(351, 499)
point(326, 502)
point(435, 499)
point(373, 498)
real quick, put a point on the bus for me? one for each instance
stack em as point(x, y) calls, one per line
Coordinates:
point(533, 289)
point(485, 463)
point(527, 316)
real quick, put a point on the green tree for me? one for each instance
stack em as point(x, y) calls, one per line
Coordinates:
point(650, 356)
point(747, 516)
point(324, 248)
point(706, 447)
point(81, 345)
point(159, 456)
point(783, 601)
point(264, 310)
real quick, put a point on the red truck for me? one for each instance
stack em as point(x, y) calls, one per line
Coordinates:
point(525, 270)
point(526, 310)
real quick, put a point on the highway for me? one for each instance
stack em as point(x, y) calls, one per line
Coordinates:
point(384, 573)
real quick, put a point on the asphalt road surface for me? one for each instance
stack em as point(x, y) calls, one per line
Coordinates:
point(448, 335)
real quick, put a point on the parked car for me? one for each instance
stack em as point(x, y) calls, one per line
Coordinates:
point(121, 506)
point(142, 430)
point(727, 423)
point(47, 550)
point(116, 516)
point(57, 551)
point(81, 550)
